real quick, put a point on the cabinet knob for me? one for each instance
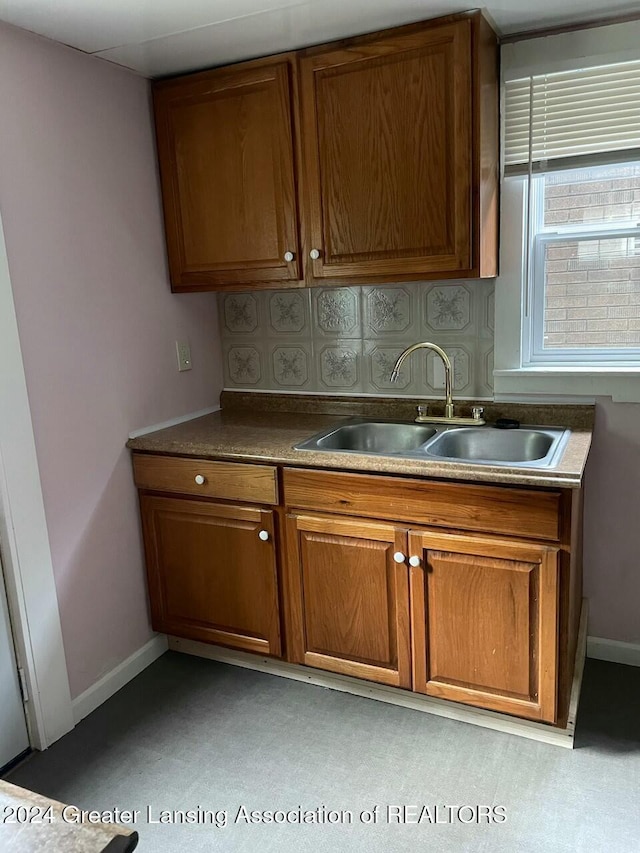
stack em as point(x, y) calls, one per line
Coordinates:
point(399, 557)
point(264, 535)
point(289, 256)
point(200, 480)
point(314, 254)
point(414, 561)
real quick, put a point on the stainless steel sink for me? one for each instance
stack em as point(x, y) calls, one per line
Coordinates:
point(526, 447)
point(381, 438)
point(487, 444)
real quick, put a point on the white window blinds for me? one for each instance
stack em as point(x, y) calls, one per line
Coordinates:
point(572, 119)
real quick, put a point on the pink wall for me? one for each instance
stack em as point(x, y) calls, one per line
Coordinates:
point(80, 206)
point(612, 523)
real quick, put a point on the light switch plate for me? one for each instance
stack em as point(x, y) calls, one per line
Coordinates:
point(184, 355)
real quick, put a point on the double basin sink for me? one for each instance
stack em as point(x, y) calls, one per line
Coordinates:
point(524, 447)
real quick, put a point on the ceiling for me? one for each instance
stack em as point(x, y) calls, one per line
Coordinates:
point(160, 37)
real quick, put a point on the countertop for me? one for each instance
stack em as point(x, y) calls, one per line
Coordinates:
point(253, 434)
point(54, 826)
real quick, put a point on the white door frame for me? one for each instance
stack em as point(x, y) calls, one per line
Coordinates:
point(14, 732)
point(31, 590)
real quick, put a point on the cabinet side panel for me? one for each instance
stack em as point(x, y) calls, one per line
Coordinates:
point(487, 147)
point(569, 596)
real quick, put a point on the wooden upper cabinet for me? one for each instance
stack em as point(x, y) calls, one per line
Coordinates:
point(397, 176)
point(226, 152)
point(484, 622)
point(400, 144)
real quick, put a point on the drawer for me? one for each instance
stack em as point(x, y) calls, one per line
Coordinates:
point(461, 506)
point(230, 480)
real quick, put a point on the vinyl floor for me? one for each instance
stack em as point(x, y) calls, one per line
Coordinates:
point(191, 734)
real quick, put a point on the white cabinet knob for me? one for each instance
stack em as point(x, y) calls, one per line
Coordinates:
point(289, 256)
point(199, 479)
point(414, 561)
point(314, 254)
point(399, 557)
point(264, 535)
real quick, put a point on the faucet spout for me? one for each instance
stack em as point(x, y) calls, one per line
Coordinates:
point(448, 371)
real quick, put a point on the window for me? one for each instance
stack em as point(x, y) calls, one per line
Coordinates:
point(584, 270)
point(576, 136)
point(566, 299)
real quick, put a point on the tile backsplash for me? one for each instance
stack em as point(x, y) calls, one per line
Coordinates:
point(346, 339)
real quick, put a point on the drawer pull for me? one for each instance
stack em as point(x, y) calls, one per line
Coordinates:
point(399, 557)
point(200, 480)
point(264, 535)
point(414, 561)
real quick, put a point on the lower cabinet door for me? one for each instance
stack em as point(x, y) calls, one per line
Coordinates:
point(348, 597)
point(484, 622)
point(212, 572)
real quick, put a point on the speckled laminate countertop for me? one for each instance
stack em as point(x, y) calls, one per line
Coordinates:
point(36, 823)
point(261, 433)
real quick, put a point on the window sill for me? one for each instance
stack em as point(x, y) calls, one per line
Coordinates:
point(621, 383)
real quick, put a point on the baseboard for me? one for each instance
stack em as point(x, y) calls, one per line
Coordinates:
point(110, 683)
point(613, 651)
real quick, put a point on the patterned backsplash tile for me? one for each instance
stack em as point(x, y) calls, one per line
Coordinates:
point(346, 340)
point(287, 312)
point(240, 313)
point(389, 310)
point(244, 365)
point(291, 366)
point(448, 308)
point(380, 357)
point(336, 311)
point(340, 366)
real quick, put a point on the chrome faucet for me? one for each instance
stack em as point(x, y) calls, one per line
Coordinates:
point(449, 417)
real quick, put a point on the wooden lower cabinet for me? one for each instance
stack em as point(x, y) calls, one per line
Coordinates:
point(348, 599)
point(461, 592)
point(211, 575)
point(484, 621)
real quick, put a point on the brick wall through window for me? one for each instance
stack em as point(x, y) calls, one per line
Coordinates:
point(592, 286)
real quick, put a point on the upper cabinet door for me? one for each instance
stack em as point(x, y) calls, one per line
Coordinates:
point(388, 131)
point(225, 146)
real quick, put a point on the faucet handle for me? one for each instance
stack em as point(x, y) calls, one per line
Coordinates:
point(477, 412)
point(423, 411)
